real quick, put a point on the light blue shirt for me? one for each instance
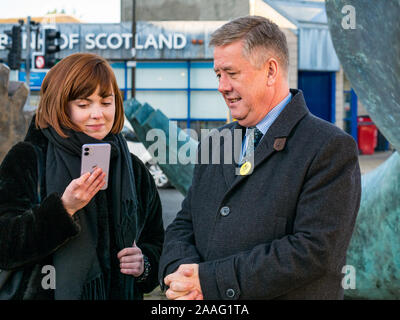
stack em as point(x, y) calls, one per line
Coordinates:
point(267, 121)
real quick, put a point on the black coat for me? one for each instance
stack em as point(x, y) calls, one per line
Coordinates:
point(30, 233)
point(281, 232)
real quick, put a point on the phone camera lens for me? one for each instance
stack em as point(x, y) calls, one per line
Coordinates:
point(86, 149)
point(86, 153)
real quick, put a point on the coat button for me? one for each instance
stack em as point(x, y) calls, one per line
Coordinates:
point(224, 211)
point(230, 293)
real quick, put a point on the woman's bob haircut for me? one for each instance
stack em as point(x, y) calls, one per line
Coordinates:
point(76, 77)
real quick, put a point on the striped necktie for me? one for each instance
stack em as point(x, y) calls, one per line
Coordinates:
point(254, 138)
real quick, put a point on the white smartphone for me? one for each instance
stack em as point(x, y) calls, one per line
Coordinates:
point(94, 156)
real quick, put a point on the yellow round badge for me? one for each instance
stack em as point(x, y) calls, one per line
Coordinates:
point(245, 168)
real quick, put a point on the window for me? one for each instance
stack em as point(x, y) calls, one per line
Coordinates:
point(185, 91)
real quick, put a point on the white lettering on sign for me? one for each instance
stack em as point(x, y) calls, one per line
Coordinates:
point(73, 39)
point(163, 40)
point(89, 39)
point(176, 41)
point(114, 44)
point(113, 41)
point(138, 46)
point(150, 41)
point(64, 43)
point(182, 40)
point(97, 41)
point(40, 41)
point(127, 39)
point(3, 41)
point(24, 40)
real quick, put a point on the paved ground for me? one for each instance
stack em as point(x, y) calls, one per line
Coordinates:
point(171, 200)
point(368, 163)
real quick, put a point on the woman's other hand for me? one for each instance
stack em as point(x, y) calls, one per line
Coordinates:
point(131, 260)
point(81, 190)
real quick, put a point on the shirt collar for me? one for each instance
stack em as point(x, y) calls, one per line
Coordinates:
point(271, 116)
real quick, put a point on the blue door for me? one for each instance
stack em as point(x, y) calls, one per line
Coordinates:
point(319, 93)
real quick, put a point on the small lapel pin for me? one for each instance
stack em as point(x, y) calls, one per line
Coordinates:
point(245, 168)
point(279, 144)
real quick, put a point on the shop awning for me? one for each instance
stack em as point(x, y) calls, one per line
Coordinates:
point(316, 51)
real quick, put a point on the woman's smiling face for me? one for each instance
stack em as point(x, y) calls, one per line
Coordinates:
point(93, 115)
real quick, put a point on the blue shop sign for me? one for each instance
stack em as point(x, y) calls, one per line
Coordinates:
point(114, 41)
point(36, 78)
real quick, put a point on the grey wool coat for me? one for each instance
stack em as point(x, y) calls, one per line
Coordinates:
point(281, 232)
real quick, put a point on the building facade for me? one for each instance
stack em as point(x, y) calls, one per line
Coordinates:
point(172, 63)
point(314, 66)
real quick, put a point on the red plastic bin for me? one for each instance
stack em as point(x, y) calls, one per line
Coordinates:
point(367, 135)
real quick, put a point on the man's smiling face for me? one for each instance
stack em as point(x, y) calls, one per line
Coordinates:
point(243, 86)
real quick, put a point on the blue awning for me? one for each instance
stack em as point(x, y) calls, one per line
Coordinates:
point(316, 51)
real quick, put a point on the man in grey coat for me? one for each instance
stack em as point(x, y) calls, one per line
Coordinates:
point(275, 224)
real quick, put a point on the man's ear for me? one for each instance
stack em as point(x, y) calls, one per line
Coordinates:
point(272, 67)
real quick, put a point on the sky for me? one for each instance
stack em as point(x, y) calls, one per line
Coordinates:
point(104, 11)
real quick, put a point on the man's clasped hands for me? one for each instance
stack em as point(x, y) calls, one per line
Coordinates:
point(184, 283)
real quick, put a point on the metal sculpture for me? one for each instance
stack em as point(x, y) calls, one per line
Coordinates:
point(171, 140)
point(364, 34)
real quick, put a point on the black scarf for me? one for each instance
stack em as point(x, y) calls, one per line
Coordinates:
point(83, 265)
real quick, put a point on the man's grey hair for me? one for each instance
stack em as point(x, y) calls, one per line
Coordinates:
point(257, 33)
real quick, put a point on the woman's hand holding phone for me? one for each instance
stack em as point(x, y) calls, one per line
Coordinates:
point(81, 190)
